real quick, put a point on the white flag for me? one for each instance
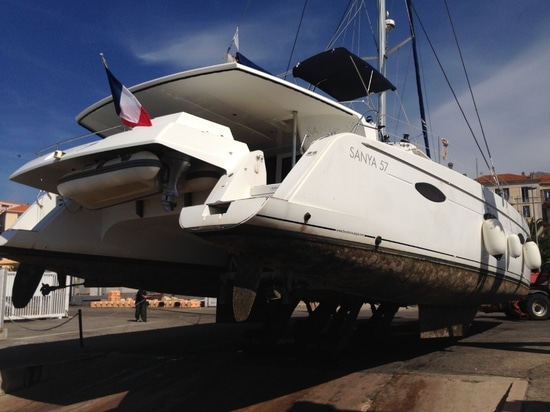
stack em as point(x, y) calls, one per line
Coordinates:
point(236, 39)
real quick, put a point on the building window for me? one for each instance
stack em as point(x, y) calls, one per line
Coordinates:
point(546, 194)
point(526, 211)
point(506, 193)
point(524, 194)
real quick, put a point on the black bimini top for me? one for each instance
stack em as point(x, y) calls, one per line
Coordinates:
point(342, 75)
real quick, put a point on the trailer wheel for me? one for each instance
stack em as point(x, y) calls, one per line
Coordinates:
point(537, 306)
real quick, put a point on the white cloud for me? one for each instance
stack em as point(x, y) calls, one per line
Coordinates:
point(194, 47)
point(198, 50)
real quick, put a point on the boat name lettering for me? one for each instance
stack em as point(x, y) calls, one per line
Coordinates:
point(367, 158)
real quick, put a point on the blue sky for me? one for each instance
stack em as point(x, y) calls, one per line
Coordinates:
point(50, 69)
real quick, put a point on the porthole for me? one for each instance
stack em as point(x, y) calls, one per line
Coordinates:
point(430, 192)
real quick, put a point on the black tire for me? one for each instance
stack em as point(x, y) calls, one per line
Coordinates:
point(537, 306)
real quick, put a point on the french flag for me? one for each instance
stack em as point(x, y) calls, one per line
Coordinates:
point(128, 108)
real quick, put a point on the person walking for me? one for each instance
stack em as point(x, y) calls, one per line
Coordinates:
point(141, 305)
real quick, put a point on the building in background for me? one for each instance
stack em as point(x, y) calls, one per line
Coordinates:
point(545, 199)
point(529, 194)
point(9, 213)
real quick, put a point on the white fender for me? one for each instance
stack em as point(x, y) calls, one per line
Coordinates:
point(494, 238)
point(514, 246)
point(531, 254)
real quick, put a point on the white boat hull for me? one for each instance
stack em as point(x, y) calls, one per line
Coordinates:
point(384, 224)
point(117, 246)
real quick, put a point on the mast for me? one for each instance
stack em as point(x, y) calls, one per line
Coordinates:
point(418, 84)
point(382, 65)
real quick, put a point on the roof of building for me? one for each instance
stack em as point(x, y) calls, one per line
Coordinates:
point(505, 178)
point(13, 207)
point(18, 208)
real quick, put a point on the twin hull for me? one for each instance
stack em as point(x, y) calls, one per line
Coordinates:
point(374, 220)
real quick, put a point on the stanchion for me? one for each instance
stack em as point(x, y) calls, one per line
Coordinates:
point(80, 328)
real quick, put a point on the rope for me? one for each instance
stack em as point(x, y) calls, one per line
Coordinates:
point(347, 18)
point(296, 38)
point(40, 330)
point(492, 167)
point(113, 313)
point(452, 90)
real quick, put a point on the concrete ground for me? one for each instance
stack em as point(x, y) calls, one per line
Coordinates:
point(181, 360)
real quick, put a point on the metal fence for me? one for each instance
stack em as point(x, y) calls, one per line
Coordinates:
point(54, 305)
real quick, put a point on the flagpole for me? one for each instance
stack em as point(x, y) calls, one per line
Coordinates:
point(104, 61)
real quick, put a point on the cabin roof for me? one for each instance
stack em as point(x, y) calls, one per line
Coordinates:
point(258, 108)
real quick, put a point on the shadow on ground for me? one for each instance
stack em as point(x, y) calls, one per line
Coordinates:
point(200, 367)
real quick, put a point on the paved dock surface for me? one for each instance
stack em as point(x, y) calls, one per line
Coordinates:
point(181, 360)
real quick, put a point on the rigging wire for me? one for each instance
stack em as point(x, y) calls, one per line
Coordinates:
point(452, 89)
point(239, 24)
point(355, 7)
point(295, 39)
point(339, 28)
point(371, 27)
point(492, 167)
point(347, 18)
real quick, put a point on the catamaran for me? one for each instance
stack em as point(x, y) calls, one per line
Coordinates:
point(261, 192)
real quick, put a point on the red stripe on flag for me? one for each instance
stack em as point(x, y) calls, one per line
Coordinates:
point(132, 113)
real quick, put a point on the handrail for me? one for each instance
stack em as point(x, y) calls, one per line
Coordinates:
point(57, 145)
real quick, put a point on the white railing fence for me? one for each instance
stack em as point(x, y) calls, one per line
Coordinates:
point(54, 305)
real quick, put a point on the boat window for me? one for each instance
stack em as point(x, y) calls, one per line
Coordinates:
point(271, 169)
point(286, 165)
point(430, 192)
point(278, 166)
